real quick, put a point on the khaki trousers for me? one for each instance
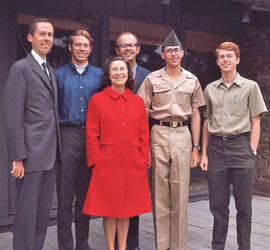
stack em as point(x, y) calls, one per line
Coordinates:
point(170, 151)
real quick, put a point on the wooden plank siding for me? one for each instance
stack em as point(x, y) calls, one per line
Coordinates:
point(200, 223)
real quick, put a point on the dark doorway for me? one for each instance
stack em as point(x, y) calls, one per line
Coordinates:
point(203, 65)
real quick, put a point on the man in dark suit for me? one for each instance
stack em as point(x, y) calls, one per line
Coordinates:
point(32, 136)
point(127, 45)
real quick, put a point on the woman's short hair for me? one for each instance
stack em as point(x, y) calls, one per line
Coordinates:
point(106, 73)
point(228, 46)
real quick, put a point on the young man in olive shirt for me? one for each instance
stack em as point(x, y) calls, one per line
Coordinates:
point(230, 137)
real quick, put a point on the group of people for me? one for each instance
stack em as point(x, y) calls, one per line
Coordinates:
point(94, 132)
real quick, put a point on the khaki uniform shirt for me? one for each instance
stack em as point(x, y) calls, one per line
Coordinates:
point(171, 101)
point(229, 109)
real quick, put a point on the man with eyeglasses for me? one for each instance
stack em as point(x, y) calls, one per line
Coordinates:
point(127, 46)
point(77, 82)
point(172, 96)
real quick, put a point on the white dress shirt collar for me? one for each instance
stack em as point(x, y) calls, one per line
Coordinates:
point(134, 70)
point(38, 58)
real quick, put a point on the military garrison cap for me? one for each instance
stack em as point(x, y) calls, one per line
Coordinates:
point(171, 40)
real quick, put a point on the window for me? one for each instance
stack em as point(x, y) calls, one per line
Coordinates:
point(59, 55)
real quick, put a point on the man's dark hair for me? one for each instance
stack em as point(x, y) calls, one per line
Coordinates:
point(33, 26)
point(80, 33)
point(106, 73)
point(125, 33)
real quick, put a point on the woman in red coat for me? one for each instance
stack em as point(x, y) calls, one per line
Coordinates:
point(117, 147)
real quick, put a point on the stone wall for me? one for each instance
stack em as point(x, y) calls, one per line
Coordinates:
point(256, 64)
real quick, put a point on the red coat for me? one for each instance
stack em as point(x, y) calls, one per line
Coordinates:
point(117, 143)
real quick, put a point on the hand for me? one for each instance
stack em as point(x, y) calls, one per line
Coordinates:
point(195, 158)
point(204, 163)
point(150, 159)
point(18, 169)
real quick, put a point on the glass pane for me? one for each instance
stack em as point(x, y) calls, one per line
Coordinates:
point(203, 65)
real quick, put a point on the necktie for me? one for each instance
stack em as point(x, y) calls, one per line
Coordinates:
point(45, 70)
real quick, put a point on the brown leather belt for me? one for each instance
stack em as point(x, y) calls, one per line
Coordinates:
point(169, 124)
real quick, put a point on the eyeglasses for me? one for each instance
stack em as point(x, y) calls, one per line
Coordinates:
point(171, 51)
point(131, 45)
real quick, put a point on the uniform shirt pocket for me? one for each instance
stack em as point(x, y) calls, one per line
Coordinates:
point(162, 95)
point(183, 97)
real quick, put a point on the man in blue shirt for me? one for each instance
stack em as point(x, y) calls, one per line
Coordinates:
point(77, 82)
point(127, 46)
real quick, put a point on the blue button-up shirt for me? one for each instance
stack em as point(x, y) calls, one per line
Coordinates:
point(75, 90)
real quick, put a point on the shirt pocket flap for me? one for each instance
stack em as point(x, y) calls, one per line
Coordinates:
point(106, 141)
point(187, 90)
point(160, 88)
point(135, 142)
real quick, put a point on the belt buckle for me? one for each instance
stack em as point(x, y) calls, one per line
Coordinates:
point(225, 138)
point(174, 124)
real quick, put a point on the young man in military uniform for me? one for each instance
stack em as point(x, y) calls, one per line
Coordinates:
point(230, 137)
point(172, 96)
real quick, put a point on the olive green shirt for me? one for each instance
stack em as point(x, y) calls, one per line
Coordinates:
point(229, 109)
point(168, 100)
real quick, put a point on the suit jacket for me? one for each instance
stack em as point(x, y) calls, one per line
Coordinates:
point(141, 73)
point(31, 115)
